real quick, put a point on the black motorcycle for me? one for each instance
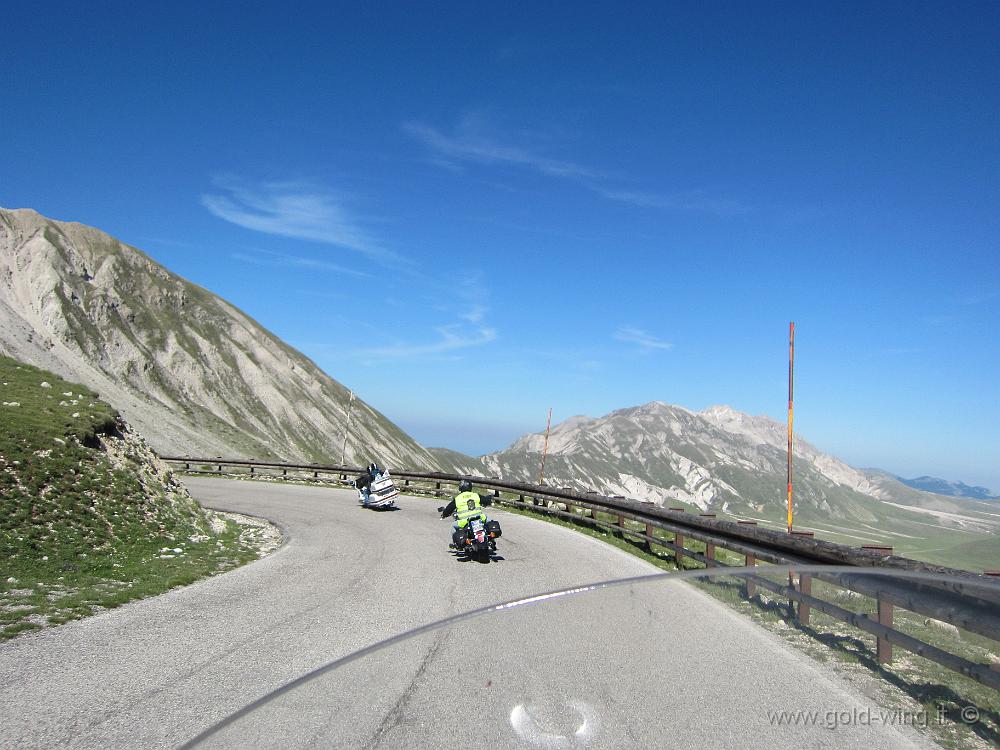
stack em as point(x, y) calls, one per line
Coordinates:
point(478, 539)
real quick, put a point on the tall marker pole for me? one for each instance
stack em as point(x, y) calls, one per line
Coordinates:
point(347, 429)
point(791, 373)
point(545, 449)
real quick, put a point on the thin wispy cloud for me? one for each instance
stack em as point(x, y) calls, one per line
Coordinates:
point(470, 144)
point(281, 260)
point(646, 342)
point(450, 338)
point(474, 296)
point(474, 141)
point(463, 300)
point(475, 314)
point(299, 210)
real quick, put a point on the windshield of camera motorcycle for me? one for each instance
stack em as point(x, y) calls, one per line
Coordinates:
point(652, 662)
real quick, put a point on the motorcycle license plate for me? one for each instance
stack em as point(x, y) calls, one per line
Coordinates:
point(477, 531)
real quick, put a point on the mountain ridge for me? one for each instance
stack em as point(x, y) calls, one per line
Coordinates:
point(724, 461)
point(191, 371)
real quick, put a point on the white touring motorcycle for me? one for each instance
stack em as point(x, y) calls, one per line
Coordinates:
point(377, 490)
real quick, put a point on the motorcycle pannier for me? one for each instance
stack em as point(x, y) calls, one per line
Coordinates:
point(493, 527)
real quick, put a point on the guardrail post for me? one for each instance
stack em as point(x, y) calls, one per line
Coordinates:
point(220, 468)
point(678, 545)
point(995, 666)
point(649, 533)
point(621, 524)
point(251, 470)
point(678, 555)
point(406, 482)
point(804, 580)
point(315, 475)
point(883, 648)
point(709, 547)
point(805, 587)
point(751, 562)
point(284, 472)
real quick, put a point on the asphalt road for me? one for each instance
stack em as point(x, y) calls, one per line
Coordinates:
point(651, 665)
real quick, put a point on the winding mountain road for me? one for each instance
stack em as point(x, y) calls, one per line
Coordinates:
point(650, 665)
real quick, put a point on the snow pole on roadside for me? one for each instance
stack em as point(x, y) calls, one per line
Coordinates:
point(347, 429)
point(791, 373)
point(545, 449)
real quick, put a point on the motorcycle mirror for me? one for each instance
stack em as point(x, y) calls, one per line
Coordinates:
point(440, 509)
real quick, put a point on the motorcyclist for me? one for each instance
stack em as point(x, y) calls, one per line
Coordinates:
point(465, 506)
point(364, 481)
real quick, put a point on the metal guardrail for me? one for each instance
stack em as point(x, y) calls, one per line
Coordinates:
point(961, 598)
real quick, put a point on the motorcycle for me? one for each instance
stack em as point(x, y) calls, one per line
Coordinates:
point(381, 492)
point(478, 539)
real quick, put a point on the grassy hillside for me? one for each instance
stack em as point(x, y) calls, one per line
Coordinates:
point(89, 518)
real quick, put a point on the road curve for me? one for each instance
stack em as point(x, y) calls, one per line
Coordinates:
point(663, 665)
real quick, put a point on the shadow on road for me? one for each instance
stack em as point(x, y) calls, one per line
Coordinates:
point(465, 558)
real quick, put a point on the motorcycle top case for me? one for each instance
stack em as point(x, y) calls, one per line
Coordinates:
point(383, 491)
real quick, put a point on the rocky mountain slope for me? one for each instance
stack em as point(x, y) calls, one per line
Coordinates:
point(724, 461)
point(192, 373)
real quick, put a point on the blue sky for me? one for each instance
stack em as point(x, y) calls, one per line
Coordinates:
point(470, 214)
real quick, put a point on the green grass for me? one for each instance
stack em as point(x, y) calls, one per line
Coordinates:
point(87, 519)
point(34, 596)
point(910, 533)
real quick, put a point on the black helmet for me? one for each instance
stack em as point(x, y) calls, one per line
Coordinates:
point(465, 486)
point(373, 468)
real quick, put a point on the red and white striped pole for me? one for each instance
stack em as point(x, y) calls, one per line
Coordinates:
point(791, 373)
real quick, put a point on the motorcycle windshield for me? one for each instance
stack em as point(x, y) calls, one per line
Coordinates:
point(661, 661)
